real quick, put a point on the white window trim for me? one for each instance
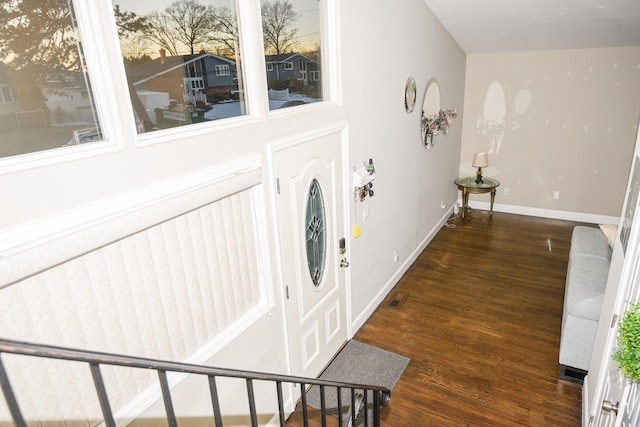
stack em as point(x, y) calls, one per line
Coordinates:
point(109, 84)
point(223, 70)
point(2, 98)
point(254, 85)
point(68, 234)
point(288, 66)
point(93, 19)
point(330, 65)
point(269, 66)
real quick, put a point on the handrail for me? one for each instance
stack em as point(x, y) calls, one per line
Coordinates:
point(381, 395)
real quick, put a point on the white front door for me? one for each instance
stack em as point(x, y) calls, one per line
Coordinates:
point(609, 399)
point(617, 400)
point(312, 223)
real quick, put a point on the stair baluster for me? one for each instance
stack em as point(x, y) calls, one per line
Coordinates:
point(381, 395)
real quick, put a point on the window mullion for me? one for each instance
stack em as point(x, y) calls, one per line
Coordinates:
point(102, 54)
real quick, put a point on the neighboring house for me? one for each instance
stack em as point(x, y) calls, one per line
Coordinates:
point(186, 78)
point(68, 98)
point(293, 66)
point(8, 104)
point(62, 98)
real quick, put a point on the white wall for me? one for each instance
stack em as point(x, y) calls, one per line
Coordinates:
point(551, 121)
point(381, 46)
point(378, 48)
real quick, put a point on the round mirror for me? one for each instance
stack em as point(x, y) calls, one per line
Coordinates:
point(430, 109)
point(409, 94)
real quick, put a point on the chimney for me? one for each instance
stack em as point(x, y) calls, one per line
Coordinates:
point(163, 55)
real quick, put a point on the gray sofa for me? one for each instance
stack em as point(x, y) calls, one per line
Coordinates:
point(589, 259)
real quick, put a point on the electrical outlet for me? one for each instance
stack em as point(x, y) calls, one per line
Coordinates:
point(396, 256)
point(442, 205)
point(556, 195)
point(505, 191)
point(365, 213)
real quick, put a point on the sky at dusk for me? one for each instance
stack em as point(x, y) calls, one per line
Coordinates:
point(308, 22)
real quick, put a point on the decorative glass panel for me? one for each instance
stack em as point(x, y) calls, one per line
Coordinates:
point(316, 233)
point(45, 94)
point(182, 59)
point(292, 40)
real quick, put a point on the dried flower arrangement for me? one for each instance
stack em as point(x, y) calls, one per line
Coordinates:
point(438, 122)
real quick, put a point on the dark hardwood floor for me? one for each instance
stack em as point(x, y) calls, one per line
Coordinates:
point(479, 314)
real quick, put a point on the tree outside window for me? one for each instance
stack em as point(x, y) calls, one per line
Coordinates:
point(182, 61)
point(46, 95)
point(292, 41)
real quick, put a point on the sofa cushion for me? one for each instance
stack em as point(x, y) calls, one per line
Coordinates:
point(586, 281)
point(587, 308)
point(589, 241)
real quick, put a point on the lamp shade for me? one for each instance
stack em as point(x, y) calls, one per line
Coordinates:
point(480, 160)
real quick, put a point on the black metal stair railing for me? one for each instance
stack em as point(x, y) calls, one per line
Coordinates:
point(359, 392)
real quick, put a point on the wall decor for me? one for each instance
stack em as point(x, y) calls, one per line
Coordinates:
point(430, 108)
point(434, 120)
point(410, 94)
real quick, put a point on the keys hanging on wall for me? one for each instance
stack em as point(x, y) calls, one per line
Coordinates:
point(363, 181)
point(366, 191)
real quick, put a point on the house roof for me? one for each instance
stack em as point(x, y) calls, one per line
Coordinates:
point(285, 57)
point(157, 67)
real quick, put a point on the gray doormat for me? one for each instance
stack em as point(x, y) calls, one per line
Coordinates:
point(361, 364)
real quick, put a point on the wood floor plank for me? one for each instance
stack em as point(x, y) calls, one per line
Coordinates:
point(479, 314)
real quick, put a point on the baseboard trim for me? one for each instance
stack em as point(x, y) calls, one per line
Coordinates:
point(393, 280)
point(546, 213)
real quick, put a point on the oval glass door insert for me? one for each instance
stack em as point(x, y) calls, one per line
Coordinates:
point(316, 233)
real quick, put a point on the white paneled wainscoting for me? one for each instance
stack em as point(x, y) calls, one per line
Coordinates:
point(170, 271)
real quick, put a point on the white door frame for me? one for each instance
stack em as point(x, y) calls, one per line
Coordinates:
point(273, 149)
point(622, 283)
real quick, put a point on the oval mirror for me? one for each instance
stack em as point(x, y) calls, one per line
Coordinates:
point(430, 109)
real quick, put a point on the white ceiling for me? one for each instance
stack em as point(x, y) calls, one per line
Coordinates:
point(490, 26)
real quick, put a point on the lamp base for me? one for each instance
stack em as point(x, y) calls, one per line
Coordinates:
point(479, 176)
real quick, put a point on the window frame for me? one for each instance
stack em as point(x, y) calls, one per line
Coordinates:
point(9, 91)
point(223, 70)
point(288, 65)
point(329, 70)
point(92, 25)
point(101, 46)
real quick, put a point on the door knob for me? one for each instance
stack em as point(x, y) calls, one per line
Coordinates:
point(611, 407)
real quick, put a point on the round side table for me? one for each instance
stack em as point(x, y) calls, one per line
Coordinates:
point(468, 186)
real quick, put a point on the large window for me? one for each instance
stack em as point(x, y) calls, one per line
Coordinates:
point(165, 44)
point(45, 94)
point(292, 46)
point(181, 59)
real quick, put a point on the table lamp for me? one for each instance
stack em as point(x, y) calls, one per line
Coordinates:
point(480, 160)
